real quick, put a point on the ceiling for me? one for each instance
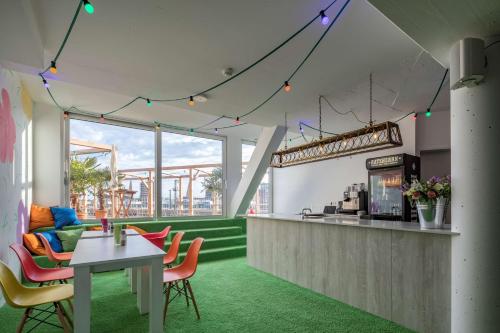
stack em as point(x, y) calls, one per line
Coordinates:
point(167, 48)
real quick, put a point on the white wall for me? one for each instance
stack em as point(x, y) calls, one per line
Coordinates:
point(315, 185)
point(47, 155)
point(433, 133)
point(15, 165)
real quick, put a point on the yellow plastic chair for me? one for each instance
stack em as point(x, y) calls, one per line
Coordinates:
point(19, 296)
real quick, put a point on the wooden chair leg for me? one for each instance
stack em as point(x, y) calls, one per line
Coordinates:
point(62, 318)
point(167, 299)
point(192, 298)
point(23, 320)
point(65, 313)
point(185, 292)
point(41, 284)
point(70, 305)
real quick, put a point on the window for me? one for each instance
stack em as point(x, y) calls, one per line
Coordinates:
point(261, 202)
point(111, 170)
point(192, 175)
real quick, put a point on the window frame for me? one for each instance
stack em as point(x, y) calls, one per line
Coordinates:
point(158, 162)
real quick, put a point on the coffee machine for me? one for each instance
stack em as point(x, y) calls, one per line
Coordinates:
point(355, 200)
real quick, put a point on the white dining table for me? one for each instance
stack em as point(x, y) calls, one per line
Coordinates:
point(100, 254)
point(102, 234)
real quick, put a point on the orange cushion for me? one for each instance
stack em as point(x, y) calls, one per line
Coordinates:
point(33, 244)
point(94, 228)
point(40, 217)
point(139, 230)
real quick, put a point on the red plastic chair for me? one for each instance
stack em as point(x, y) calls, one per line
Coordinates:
point(34, 273)
point(158, 238)
point(181, 273)
point(173, 250)
point(54, 256)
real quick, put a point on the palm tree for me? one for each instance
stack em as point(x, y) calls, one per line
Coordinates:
point(213, 184)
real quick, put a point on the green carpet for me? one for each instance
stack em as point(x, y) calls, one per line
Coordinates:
point(232, 297)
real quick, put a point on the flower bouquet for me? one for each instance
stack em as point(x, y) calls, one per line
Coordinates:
point(431, 198)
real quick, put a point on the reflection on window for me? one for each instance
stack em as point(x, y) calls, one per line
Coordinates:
point(261, 202)
point(111, 170)
point(191, 175)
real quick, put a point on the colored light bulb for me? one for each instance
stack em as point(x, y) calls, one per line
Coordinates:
point(53, 68)
point(237, 121)
point(148, 102)
point(287, 87)
point(428, 113)
point(65, 115)
point(101, 119)
point(191, 130)
point(191, 101)
point(46, 84)
point(301, 129)
point(324, 18)
point(216, 130)
point(89, 8)
point(415, 116)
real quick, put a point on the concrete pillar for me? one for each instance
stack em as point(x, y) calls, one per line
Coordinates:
point(475, 171)
point(233, 169)
point(269, 140)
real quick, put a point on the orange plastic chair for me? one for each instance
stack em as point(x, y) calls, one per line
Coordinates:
point(173, 250)
point(182, 273)
point(19, 296)
point(54, 256)
point(34, 273)
point(158, 238)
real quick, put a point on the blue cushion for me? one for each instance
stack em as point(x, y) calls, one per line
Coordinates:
point(54, 241)
point(64, 216)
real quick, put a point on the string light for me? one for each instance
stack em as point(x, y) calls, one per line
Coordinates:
point(53, 68)
point(148, 102)
point(66, 115)
point(216, 130)
point(89, 8)
point(287, 87)
point(301, 129)
point(428, 114)
point(237, 121)
point(101, 119)
point(191, 101)
point(191, 130)
point(158, 126)
point(45, 83)
point(415, 116)
point(324, 18)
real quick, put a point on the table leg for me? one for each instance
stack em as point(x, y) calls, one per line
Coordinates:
point(132, 279)
point(156, 296)
point(143, 289)
point(82, 290)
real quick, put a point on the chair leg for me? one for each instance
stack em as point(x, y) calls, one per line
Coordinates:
point(65, 313)
point(23, 320)
point(41, 284)
point(167, 299)
point(192, 298)
point(70, 305)
point(185, 292)
point(62, 318)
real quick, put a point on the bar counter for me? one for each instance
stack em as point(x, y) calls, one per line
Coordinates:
point(392, 269)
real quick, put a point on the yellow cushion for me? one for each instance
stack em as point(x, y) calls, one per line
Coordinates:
point(139, 230)
point(33, 244)
point(40, 217)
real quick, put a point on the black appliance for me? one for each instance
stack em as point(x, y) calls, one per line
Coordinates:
point(386, 174)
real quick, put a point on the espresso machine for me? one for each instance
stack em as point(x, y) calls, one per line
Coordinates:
point(355, 200)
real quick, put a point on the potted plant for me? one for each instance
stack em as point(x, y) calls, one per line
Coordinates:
point(100, 180)
point(80, 182)
point(213, 184)
point(431, 198)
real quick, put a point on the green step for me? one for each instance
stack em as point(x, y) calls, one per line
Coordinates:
point(154, 226)
point(209, 233)
point(213, 243)
point(218, 254)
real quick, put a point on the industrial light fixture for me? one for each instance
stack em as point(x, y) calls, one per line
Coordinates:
point(370, 138)
point(376, 137)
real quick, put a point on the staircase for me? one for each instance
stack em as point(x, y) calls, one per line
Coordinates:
point(224, 238)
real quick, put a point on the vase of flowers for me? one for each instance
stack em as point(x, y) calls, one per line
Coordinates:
point(431, 198)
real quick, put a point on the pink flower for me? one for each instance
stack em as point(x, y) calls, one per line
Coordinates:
point(431, 194)
point(7, 129)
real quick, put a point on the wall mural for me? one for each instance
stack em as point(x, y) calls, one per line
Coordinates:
point(15, 164)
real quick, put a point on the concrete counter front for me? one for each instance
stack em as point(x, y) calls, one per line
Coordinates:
point(394, 270)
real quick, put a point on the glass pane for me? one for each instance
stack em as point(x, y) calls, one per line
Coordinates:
point(386, 197)
point(191, 175)
point(261, 202)
point(111, 170)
